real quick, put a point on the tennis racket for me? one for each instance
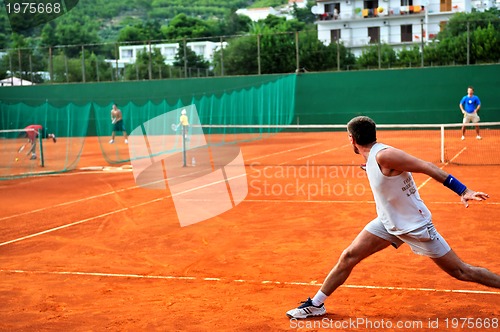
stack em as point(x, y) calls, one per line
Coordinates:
point(21, 148)
point(113, 121)
point(174, 126)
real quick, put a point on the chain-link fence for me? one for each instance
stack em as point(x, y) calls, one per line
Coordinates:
point(243, 55)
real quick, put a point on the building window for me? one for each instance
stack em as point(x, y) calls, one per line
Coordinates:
point(169, 53)
point(335, 35)
point(406, 33)
point(127, 54)
point(374, 34)
point(370, 4)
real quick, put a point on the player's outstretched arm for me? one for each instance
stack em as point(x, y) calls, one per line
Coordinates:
point(395, 159)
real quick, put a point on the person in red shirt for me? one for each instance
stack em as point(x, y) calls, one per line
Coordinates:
point(32, 132)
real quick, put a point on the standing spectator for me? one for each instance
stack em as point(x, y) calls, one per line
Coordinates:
point(470, 105)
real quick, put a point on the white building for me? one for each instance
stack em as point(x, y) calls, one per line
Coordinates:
point(206, 49)
point(399, 23)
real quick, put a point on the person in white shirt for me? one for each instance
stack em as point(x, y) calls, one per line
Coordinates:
point(402, 217)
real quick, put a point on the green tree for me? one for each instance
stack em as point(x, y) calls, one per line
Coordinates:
point(370, 57)
point(409, 57)
point(142, 31)
point(142, 66)
point(238, 58)
point(194, 63)
point(183, 26)
point(23, 58)
point(480, 29)
point(304, 14)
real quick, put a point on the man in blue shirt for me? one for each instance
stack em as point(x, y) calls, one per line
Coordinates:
point(470, 105)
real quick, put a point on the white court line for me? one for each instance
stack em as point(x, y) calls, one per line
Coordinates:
point(323, 152)
point(284, 151)
point(263, 282)
point(446, 164)
point(61, 227)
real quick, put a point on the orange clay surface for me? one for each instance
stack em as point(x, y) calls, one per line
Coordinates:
point(91, 251)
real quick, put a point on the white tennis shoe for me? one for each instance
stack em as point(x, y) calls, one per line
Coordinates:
point(307, 309)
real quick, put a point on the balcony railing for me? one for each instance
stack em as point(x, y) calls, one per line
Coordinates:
point(360, 13)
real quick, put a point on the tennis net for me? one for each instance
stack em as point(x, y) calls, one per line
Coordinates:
point(17, 154)
point(329, 145)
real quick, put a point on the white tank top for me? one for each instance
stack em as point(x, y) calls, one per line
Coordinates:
point(399, 206)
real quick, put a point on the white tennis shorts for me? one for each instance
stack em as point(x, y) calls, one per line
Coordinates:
point(471, 117)
point(425, 241)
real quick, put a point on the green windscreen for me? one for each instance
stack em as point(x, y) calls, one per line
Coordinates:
point(69, 125)
point(270, 103)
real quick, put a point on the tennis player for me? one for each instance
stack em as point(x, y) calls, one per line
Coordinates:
point(402, 216)
point(470, 105)
point(184, 122)
point(32, 133)
point(117, 122)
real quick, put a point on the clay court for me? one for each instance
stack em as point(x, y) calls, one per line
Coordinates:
point(89, 250)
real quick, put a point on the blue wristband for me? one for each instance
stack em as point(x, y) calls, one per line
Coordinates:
point(454, 185)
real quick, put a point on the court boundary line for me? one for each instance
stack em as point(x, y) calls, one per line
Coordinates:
point(444, 165)
point(262, 282)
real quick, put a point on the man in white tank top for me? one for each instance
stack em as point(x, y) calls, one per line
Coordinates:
point(402, 217)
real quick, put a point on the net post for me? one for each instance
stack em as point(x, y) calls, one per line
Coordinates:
point(40, 140)
point(184, 146)
point(442, 144)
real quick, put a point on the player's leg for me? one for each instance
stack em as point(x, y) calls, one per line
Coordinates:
point(464, 122)
point(32, 150)
point(112, 140)
point(455, 267)
point(125, 136)
point(364, 245)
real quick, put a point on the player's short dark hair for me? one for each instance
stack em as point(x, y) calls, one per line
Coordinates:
point(363, 130)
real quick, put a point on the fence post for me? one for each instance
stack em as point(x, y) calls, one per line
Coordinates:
point(221, 57)
point(185, 58)
point(258, 54)
point(116, 62)
point(297, 56)
point(150, 66)
point(20, 65)
point(51, 65)
point(468, 43)
point(66, 68)
point(422, 42)
point(338, 53)
point(83, 64)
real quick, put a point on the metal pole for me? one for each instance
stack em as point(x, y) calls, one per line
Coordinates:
point(51, 65)
point(97, 69)
point(338, 53)
point(31, 67)
point(83, 64)
point(116, 62)
point(11, 72)
point(258, 54)
point(379, 54)
point(422, 42)
point(20, 65)
point(468, 43)
point(185, 59)
point(150, 66)
point(66, 67)
point(221, 57)
point(297, 56)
